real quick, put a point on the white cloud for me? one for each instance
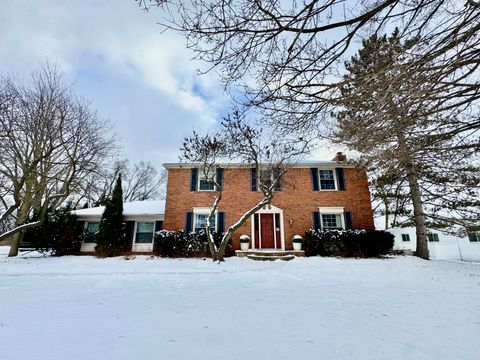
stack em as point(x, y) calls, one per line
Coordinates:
point(139, 78)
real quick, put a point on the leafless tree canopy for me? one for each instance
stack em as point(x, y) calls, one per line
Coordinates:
point(287, 56)
point(51, 142)
point(140, 181)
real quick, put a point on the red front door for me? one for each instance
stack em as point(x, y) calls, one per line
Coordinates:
point(267, 231)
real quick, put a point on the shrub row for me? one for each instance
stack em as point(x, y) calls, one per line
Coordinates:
point(169, 243)
point(348, 243)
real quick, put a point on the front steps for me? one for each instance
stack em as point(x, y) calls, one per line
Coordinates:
point(269, 254)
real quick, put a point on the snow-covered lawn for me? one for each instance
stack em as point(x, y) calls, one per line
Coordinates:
point(311, 308)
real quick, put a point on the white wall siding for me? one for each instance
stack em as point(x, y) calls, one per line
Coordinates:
point(142, 247)
point(448, 247)
point(88, 247)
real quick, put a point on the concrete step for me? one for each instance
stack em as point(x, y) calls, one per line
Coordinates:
point(270, 257)
point(269, 252)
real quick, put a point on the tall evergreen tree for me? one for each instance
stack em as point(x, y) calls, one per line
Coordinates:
point(111, 238)
point(406, 132)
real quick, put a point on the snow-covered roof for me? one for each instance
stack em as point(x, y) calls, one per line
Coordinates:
point(133, 208)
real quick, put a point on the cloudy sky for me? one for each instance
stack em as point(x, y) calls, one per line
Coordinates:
point(145, 82)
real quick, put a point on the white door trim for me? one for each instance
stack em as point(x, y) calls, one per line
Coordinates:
point(268, 209)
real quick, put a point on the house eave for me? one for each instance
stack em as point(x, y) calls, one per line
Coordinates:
point(306, 164)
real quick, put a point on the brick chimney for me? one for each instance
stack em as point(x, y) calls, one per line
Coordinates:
point(340, 157)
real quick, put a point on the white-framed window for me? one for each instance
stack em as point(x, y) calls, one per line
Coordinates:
point(144, 232)
point(200, 217)
point(204, 180)
point(327, 179)
point(433, 237)
point(405, 237)
point(474, 236)
point(332, 221)
point(267, 176)
point(332, 218)
point(91, 229)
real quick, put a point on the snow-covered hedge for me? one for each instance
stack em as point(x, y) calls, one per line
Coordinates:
point(170, 243)
point(348, 243)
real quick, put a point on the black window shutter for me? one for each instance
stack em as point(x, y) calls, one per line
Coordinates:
point(158, 225)
point(278, 185)
point(253, 179)
point(315, 184)
point(188, 223)
point(348, 220)
point(340, 178)
point(317, 225)
point(221, 222)
point(219, 177)
point(193, 179)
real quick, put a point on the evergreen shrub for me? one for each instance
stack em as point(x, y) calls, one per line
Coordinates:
point(169, 243)
point(111, 239)
point(60, 233)
point(348, 243)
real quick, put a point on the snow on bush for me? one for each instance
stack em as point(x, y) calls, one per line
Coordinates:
point(170, 243)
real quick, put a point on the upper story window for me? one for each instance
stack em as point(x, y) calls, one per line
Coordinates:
point(433, 237)
point(266, 177)
point(205, 182)
point(405, 237)
point(200, 180)
point(474, 236)
point(327, 180)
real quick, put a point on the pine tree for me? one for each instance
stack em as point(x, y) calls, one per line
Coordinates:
point(411, 139)
point(111, 239)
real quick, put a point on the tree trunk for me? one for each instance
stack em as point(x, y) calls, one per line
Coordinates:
point(419, 215)
point(15, 243)
point(416, 196)
point(387, 215)
point(17, 237)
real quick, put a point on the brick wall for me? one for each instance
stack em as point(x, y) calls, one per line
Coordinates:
point(297, 199)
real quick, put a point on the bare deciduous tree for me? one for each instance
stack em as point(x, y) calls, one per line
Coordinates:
point(140, 182)
point(239, 142)
point(51, 142)
point(143, 182)
point(294, 50)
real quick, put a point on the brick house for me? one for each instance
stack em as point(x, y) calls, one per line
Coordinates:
point(318, 194)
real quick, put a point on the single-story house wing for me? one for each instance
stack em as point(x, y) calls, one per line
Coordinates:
point(142, 219)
